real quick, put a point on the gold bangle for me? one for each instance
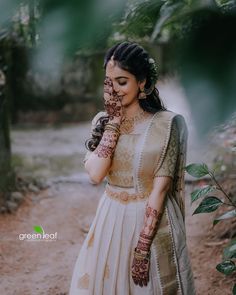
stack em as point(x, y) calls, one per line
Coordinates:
point(112, 128)
point(113, 124)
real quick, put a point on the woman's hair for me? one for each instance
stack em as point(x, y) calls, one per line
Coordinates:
point(133, 58)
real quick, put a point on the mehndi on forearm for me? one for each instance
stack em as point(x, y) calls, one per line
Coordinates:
point(107, 145)
point(151, 221)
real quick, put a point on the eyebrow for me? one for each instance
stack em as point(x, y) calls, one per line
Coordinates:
point(119, 77)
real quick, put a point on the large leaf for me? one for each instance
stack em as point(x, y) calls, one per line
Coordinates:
point(197, 170)
point(227, 215)
point(198, 193)
point(230, 250)
point(208, 205)
point(226, 267)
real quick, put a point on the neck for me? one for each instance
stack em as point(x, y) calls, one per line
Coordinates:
point(132, 110)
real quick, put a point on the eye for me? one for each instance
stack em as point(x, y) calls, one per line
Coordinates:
point(122, 83)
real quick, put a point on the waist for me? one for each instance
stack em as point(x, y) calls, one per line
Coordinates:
point(125, 195)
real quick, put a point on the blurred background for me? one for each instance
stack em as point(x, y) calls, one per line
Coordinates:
point(51, 85)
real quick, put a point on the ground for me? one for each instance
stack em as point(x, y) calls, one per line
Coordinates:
point(67, 207)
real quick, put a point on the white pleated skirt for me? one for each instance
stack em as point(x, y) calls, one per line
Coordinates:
point(103, 266)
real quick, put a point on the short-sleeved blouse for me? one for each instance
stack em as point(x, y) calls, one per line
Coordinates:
point(121, 170)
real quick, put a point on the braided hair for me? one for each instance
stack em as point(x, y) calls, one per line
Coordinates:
point(133, 58)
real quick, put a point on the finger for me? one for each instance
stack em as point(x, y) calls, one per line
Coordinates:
point(135, 280)
point(145, 282)
point(140, 283)
point(106, 96)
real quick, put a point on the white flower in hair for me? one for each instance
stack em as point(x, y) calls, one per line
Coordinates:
point(151, 61)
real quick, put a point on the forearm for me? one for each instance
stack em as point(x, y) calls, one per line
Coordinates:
point(100, 160)
point(153, 213)
point(97, 167)
point(157, 199)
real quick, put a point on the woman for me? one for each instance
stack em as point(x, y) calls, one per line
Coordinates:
point(137, 242)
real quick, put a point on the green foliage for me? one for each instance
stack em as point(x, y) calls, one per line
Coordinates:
point(198, 193)
point(200, 33)
point(139, 19)
point(197, 170)
point(227, 215)
point(209, 204)
point(230, 250)
point(226, 267)
point(202, 38)
point(212, 203)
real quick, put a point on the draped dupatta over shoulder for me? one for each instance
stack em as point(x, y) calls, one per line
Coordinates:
point(169, 252)
point(152, 151)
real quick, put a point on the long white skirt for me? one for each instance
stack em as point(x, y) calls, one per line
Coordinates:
point(103, 266)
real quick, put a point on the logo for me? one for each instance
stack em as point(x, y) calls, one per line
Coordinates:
point(39, 235)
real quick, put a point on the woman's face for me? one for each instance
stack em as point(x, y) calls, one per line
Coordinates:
point(124, 83)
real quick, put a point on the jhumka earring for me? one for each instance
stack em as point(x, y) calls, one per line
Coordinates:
point(142, 94)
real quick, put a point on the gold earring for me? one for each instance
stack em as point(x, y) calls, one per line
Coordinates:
point(142, 94)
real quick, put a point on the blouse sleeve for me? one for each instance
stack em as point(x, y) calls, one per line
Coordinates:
point(93, 125)
point(168, 166)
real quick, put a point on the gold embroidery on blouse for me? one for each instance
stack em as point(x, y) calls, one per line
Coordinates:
point(121, 171)
point(83, 282)
point(90, 242)
point(127, 124)
point(168, 167)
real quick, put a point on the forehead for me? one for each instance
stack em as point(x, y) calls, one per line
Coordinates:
point(113, 71)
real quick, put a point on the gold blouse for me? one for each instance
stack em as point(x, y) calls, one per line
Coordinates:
point(121, 170)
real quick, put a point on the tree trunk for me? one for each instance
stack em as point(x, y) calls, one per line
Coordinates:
point(7, 178)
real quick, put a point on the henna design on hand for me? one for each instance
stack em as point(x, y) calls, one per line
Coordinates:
point(140, 270)
point(112, 102)
point(140, 267)
point(107, 145)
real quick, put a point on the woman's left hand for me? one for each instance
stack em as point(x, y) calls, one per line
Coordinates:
point(140, 271)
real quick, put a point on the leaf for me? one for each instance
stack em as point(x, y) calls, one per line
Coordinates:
point(230, 250)
point(197, 170)
point(229, 214)
point(38, 229)
point(166, 11)
point(226, 267)
point(209, 204)
point(198, 193)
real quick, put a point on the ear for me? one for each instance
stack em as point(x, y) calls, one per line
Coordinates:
point(141, 84)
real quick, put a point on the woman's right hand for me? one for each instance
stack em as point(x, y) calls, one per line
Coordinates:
point(112, 103)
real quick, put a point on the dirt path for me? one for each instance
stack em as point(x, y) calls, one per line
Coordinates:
point(45, 267)
point(68, 207)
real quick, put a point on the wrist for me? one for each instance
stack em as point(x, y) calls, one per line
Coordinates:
point(112, 126)
point(116, 120)
point(144, 246)
point(140, 253)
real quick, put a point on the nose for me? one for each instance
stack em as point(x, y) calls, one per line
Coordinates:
point(115, 87)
